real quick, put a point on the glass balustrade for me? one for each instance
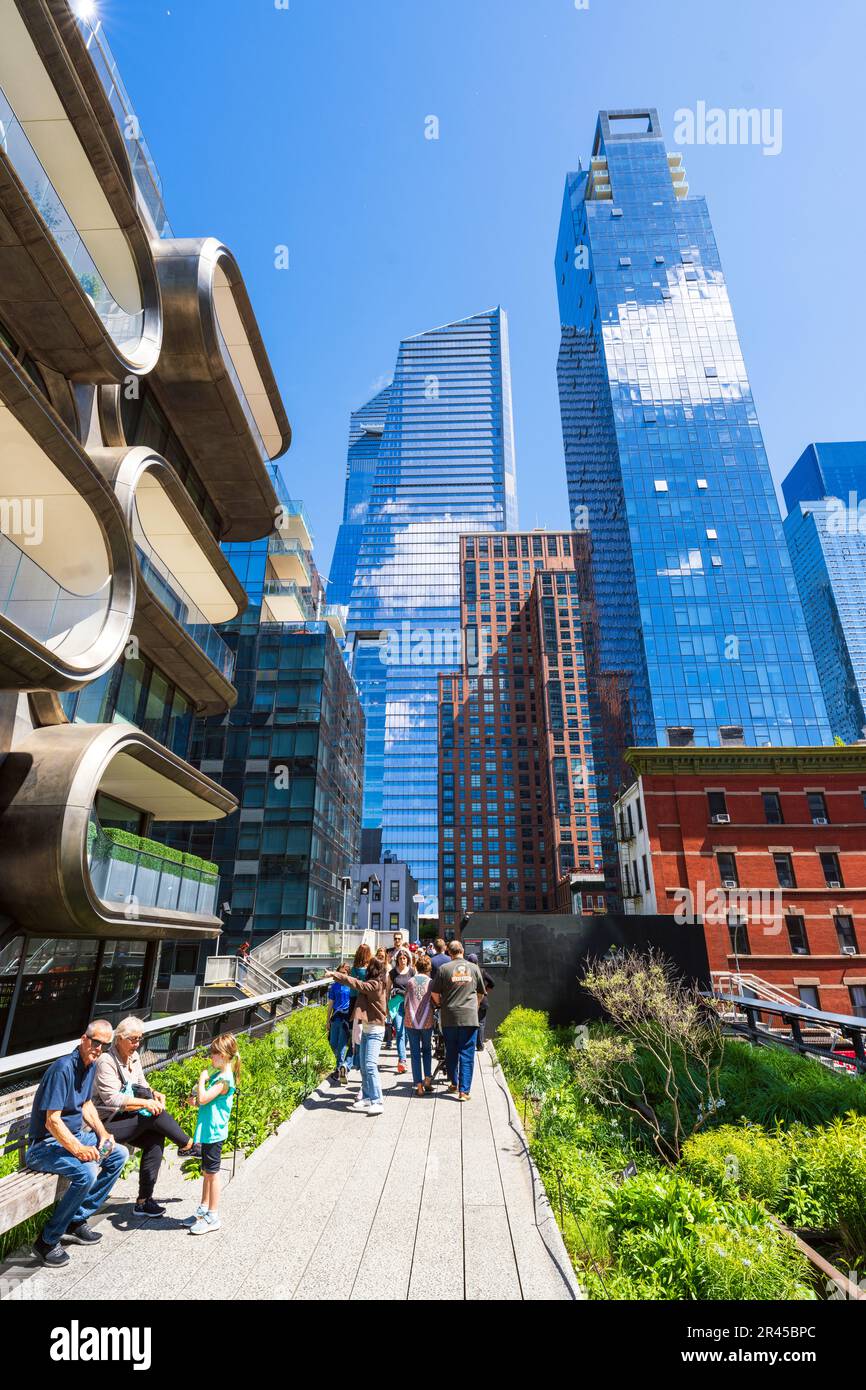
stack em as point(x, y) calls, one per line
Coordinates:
point(130, 869)
point(264, 452)
point(172, 595)
point(40, 606)
point(124, 329)
point(287, 588)
point(144, 170)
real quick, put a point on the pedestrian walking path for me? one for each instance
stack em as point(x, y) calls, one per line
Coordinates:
point(432, 1199)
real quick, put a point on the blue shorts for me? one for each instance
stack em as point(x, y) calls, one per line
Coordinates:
point(212, 1157)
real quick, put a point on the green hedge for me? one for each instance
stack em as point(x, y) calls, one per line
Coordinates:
point(701, 1229)
point(130, 848)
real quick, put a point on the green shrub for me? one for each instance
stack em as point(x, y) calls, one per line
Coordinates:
point(526, 1046)
point(828, 1182)
point(669, 1233)
point(771, 1086)
point(741, 1159)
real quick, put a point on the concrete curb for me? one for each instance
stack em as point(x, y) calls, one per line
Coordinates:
point(545, 1219)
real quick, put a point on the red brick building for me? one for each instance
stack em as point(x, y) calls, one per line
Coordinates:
point(522, 765)
point(766, 847)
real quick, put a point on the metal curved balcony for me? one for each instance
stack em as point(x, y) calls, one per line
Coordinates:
point(78, 285)
point(186, 584)
point(65, 609)
point(215, 383)
point(48, 788)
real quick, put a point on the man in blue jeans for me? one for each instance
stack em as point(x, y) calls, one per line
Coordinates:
point(457, 990)
point(67, 1137)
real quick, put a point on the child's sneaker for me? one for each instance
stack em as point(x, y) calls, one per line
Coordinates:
point(209, 1222)
point(360, 1105)
point(197, 1215)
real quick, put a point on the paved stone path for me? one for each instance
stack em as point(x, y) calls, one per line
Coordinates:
point(431, 1199)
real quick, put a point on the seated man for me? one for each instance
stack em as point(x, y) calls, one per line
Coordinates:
point(67, 1137)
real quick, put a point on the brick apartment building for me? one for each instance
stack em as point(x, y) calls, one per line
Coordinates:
point(524, 786)
point(767, 848)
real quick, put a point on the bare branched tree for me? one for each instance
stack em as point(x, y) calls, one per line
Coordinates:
point(655, 1012)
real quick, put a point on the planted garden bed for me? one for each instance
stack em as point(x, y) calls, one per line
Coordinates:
point(666, 1155)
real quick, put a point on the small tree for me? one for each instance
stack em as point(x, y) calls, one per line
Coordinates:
point(655, 1013)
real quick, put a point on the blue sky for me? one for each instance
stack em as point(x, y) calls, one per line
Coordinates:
point(305, 127)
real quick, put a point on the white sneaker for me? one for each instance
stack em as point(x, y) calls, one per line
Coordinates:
point(374, 1109)
point(209, 1222)
point(360, 1105)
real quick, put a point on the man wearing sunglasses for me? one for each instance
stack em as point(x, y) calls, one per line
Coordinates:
point(68, 1138)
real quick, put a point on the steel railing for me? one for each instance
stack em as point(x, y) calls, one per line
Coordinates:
point(811, 1032)
point(176, 1036)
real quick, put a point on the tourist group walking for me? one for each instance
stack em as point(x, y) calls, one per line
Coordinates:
point(403, 997)
point(94, 1103)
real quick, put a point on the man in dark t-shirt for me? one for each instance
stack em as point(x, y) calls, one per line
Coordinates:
point(68, 1138)
point(457, 989)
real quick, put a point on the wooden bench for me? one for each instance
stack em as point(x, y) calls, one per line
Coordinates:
point(22, 1193)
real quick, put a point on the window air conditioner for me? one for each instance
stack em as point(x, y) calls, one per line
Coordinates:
point(849, 950)
point(730, 883)
point(721, 818)
point(834, 883)
point(820, 820)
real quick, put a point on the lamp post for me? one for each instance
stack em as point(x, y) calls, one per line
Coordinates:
point(345, 884)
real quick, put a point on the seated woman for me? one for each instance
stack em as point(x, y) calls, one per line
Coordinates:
point(140, 1119)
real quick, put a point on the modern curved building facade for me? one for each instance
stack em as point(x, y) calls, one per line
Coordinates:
point(139, 416)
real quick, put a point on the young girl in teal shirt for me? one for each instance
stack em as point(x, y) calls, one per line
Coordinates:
point(215, 1097)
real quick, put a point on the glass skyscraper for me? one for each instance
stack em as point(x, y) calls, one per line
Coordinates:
point(697, 602)
point(825, 493)
point(430, 457)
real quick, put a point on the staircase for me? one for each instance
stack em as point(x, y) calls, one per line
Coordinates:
point(732, 982)
point(243, 978)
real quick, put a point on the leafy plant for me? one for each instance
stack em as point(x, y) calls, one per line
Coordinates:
point(659, 1017)
point(741, 1159)
point(689, 1244)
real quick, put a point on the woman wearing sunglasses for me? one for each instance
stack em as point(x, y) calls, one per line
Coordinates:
point(135, 1114)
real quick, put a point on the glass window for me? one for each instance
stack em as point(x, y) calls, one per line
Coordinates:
point(784, 871)
point(832, 872)
point(809, 996)
point(817, 808)
point(395, 890)
point(772, 808)
point(57, 986)
point(858, 1000)
point(738, 932)
point(845, 933)
point(797, 934)
point(130, 693)
point(717, 805)
point(728, 870)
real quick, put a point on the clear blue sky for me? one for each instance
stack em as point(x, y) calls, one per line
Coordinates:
point(306, 127)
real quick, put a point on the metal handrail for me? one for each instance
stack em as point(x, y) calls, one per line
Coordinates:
point(173, 1024)
point(846, 1026)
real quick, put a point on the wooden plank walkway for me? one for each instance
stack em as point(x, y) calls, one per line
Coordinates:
point(432, 1199)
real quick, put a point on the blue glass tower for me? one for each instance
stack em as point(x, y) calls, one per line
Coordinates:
point(826, 532)
point(697, 602)
point(366, 428)
point(444, 464)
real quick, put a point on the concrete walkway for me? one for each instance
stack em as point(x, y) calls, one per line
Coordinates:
point(432, 1199)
